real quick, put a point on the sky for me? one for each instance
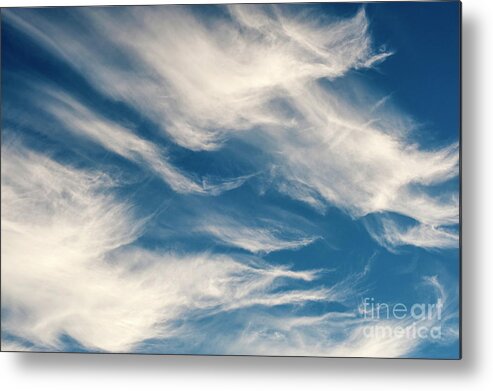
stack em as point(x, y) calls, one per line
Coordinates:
point(232, 179)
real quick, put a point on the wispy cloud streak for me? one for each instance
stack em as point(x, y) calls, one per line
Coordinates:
point(262, 237)
point(82, 121)
point(348, 334)
point(391, 235)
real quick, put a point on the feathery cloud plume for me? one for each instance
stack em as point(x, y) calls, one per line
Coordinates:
point(70, 265)
point(260, 73)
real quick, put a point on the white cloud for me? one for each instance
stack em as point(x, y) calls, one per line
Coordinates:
point(204, 83)
point(201, 81)
point(362, 169)
point(392, 235)
point(258, 237)
point(332, 335)
point(67, 268)
point(349, 334)
point(84, 122)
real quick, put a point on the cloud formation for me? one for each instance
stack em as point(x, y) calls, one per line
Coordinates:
point(76, 261)
point(351, 334)
point(391, 235)
point(71, 266)
point(260, 67)
point(263, 237)
point(202, 81)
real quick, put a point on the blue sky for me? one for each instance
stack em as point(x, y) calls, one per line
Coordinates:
point(230, 179)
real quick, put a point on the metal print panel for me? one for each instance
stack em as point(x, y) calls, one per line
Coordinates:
point(232, 179)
